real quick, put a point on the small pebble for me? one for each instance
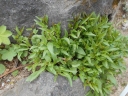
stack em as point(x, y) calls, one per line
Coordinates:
point(3, 84)
point(8, 80)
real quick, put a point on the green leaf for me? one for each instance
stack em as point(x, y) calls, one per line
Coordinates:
point(24, 62)
point(79, 56)
point(15, 73)
point(113, 49)
point(88, 59)
point(82, 76)
point(51, 69)
point(72, 70)
point(106, 56)
point(50, 48)
point(74, 36)
point(112, 79)
point(90, 34)
point(4, 40)
point(2, 69)
point(67, 40)
point(4, 34)
point(18, 31)
point(106, 43)
point(64, 52)
point(34, 75)
point(47, 58)
point(8, 54)
point(65, 74)
point(75, 63)
point(75, 77)
point(105, 63)
point(82, 27)
point(80, 51)
point(32, 55)
point(105, 26)
point(2, 29)
point(90, 93)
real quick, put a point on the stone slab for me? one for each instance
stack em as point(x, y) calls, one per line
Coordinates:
point(46, 86)
point(22, 12)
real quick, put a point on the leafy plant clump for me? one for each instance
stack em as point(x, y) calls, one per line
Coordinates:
point(91, 50)
point(4, 40)
point(104, 49)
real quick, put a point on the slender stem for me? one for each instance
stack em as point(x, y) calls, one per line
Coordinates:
point(14, 70)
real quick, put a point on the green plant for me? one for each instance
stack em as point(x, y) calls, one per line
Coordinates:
point(91, 50)
point(2, 69)
point(4, 40)
point(4, 34)
point(105, 48)
point(22, 45)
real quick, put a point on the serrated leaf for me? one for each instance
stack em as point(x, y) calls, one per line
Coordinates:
point(2, 69)
point(7, 33)
point(4, 34)
point(4, 40)
point(8, 54)
point(2, 29)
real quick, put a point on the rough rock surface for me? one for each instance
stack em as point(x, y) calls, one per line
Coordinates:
point(46, 86)
point(22, 12)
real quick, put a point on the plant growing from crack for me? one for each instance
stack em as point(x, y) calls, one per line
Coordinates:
point(91, 50)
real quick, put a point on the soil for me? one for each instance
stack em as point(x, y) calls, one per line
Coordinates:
point(120, 22)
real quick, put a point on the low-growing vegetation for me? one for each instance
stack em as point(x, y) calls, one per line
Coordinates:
point(91, 49)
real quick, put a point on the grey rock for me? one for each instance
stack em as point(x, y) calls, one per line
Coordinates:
point(22, 12)
point(46, 86)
